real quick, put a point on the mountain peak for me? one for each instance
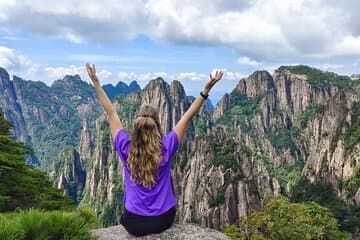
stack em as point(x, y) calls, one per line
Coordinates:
point(4, 78)
point(69, 81)
point(159, 81)
point(134, 85)
point(75, 77)
point(3, 72)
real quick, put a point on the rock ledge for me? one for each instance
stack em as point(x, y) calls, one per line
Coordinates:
point(178, 231)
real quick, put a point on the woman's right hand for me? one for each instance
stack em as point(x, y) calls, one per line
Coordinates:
point(92, 74)
point(212, 81)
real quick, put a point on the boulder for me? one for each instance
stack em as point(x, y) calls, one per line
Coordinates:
point(178, 231)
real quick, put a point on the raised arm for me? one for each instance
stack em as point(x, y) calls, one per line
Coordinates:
point(183, 124)
point(114, 121)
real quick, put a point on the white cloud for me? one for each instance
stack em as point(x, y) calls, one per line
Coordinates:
point(330, 67)
point(18, 64)
point(258, 29)
point(49, 74)
point(77, 21)
point(247, 61)
point(193, 76)
point(105, 74)
point(15, 62)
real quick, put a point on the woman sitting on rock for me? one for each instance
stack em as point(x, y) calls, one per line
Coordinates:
point(149, 201)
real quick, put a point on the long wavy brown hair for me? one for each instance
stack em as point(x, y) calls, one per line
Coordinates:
point(145, 147)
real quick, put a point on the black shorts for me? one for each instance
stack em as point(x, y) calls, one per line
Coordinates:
point(138, 225)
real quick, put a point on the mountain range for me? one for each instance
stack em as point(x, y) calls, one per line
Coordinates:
point(295, 132)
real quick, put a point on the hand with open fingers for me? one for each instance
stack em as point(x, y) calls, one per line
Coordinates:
point(92, 73)
point(213, 80)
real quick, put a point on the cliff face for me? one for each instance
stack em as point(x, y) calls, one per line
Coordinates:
point(9, 100)
point(41, 114)
point(263, 138)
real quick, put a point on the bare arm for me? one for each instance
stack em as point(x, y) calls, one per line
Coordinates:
point(114, 120)
point(183, 124)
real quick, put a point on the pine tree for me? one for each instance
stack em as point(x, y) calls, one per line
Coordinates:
point(21, 185)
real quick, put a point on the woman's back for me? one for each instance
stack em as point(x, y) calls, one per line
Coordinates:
point(159, 198)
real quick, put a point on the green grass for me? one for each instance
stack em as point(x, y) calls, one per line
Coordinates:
point(55, 225)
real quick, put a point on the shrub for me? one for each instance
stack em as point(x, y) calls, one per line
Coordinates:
point(54, 225)
point(279, 219)
point(322, 193)
point(234, 232)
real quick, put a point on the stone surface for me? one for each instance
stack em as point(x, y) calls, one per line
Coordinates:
point(176, 232)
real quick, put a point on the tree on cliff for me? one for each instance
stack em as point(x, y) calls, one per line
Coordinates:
point(20, 184)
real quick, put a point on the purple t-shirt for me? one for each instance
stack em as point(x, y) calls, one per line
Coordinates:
point(159, 198)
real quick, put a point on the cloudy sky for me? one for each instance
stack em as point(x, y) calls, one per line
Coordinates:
point(176, 39)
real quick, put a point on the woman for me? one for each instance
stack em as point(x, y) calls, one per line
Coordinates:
point(149, 202)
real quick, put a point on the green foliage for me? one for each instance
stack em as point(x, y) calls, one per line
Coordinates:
point(224, 154)
point(219, 197)
point(287, 175)
point(241, 110)
point(128, 110)
point(55, 225)
point(282, 138)
point(233, 232)
point(318, 78)
point(105, 133)
point(352, 184)
point(20, 184)
point(9, 229)
point(111, 210)
point(279, 219)
point(352, 134)
point(200, 124)
point(309, 113)
point(322, 193)
point(58, 122)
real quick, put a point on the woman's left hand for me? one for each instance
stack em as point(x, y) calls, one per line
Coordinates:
point(212, 81)
point(92, 74)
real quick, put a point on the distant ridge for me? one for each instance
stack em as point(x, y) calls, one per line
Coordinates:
point(120, 88)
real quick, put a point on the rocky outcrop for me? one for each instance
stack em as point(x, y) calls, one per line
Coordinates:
point(69, 174)
point(11, 106)
point(222, 106)
point(176, 232)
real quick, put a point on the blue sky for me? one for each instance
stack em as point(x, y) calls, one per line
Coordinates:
point(184, 40)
